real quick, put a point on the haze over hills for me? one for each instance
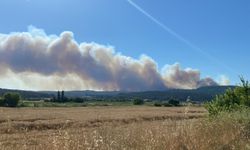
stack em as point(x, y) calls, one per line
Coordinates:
point(199, 94)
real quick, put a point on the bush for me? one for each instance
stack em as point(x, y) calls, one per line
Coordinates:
point(174, 102)
point(11, 99)
point(166, 104)
point(157, 104)
point(77, 100)
point(231, 100)
point(138, 101)
point(1, 102)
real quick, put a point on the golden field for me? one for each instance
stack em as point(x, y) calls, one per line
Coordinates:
point(124, 127)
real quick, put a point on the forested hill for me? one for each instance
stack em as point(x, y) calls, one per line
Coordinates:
point(27, 94)
point(200, 94)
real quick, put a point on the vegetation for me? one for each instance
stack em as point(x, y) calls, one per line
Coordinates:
point(232, 100)
point(123, 128)
point(50, 104)
point(10, 100)
point(126, 127)
point(1, 102)
point(174, 102)
point(138, 101)
point(166, 104)
point(27, 94)
point(170, 103)
point(157, 104)
point(26, 103)
point(197, 95)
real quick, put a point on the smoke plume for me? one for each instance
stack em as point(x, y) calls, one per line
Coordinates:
point(35, 60)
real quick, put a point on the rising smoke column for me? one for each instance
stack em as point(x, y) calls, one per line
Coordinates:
point(64, 63)
point(175, 77)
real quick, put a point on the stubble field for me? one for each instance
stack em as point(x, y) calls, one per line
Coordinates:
point(125, 127)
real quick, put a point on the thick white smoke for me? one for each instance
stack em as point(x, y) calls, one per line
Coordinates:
point(35, 60)
point(188, 78)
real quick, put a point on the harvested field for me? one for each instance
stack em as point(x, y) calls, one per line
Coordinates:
point(112, 128)
point(56, 118)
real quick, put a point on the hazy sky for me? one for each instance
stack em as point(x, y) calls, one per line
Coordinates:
point(220, 29)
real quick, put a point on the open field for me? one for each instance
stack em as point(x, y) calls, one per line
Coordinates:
point(138, 127)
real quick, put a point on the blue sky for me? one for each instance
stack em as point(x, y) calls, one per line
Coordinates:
point(220, 29)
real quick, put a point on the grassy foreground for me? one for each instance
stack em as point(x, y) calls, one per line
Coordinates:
point(122, 128)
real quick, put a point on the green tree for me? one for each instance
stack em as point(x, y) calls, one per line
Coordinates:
point(243, 92)
point(138, 101)
point(231, 100)
point(174, 102)
point(11, 99)
point(1, 102)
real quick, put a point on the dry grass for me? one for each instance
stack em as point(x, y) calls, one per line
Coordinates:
point(117, 128)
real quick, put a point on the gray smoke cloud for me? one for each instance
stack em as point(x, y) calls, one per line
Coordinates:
point(37, 60)
point(188, 78)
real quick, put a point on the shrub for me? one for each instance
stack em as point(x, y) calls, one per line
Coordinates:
point(23, 104)
point(174, 102)
point(231, 100)
point(11, 99)
point(1, 102)
point(166, 104)
point(78, 100)
point(157, 104)
point(138, 101)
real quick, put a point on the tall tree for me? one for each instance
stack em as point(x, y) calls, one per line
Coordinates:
point(58, 96)
point(62, 96)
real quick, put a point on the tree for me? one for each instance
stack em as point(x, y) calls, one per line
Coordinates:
point(231, 100)
point(1, 102)
point(174, 102)
point(243, 92)
point(138, 101)
point(11, 99)
point(62, 98)
point(58, 96)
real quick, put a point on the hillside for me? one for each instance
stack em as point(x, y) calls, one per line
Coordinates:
point(27, 94)
point(200, 94)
